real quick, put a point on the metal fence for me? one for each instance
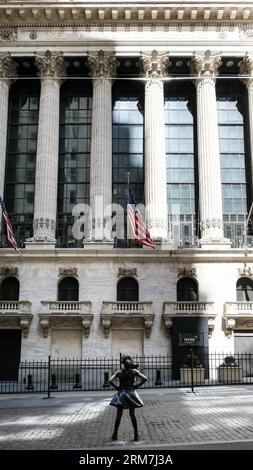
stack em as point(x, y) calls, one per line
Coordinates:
point(93, 373)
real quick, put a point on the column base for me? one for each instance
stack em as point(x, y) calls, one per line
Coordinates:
point(162, 244)
point(40, 243)
point(215, 244)
point(98, 245)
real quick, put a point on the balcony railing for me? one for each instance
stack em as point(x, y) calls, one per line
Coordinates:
point(172, 308)
point(61, 314)
point(16, 313)
point(238, 308)
point(140, 311)
point(127, 307)
point(65, 307)
point(237, 315)
point(8, 307)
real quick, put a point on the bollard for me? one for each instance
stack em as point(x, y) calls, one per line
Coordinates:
point(53, 385)
point(158, 378)
point(77, 382)
point(106, 378)
point(30, 385)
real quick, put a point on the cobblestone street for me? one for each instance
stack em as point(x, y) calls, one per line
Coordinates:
point(170, 417)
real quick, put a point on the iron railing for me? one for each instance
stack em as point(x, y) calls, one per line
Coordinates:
point(93, 373)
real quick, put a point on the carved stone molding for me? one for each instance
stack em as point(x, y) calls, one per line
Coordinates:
point(205, 65)
point(211, 326)
point(125, 272)
point(51, 64)
point(168, 324)
point(107, 324)
point(86, 324)
point(25, 324)
point(187, 272)
point(45, 326)
point(148, 323)
point(103, 65)
point(246, 271)
point(154, 65)
point(16, 321)
point(9, 271)
point(68, 271)
point(246, 68)
point(208, 223)
point(44, 222)
point(8, 67)
point(8, 36)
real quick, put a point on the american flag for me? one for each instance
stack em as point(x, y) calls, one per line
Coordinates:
point(10, 234)
point(140, 232)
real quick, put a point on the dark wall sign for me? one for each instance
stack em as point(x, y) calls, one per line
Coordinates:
point(190, 339)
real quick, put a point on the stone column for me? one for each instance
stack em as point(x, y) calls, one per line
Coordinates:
point(103, 67)
point(154, 67)
point(205, 66)
point(7, 71)
point(51, 67)
point(246, 69)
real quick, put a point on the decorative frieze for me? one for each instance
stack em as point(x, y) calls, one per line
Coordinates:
point(127, 272)
point(188, 272)
point(246, 271)
point(68, 271)
point(8, 36)
point(9, 271)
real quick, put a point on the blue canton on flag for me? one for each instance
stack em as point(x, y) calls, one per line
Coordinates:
point(140, 232)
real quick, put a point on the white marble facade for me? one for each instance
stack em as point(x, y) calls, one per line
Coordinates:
point(206, 35)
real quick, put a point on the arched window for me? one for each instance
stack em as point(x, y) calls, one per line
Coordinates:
point(68, 289)
point(128, 289)
point(244, 289)
point(9, 289)
point(187, 289)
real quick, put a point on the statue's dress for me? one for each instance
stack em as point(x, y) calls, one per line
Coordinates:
point(127, 397)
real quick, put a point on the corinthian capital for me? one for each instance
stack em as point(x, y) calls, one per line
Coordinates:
point(103, 65)
point(154, 65)
point(8, 67)
point(246, 69)
point(206, 64)
point(51, 64)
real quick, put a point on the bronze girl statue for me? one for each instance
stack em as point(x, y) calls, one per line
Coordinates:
point(126, 396)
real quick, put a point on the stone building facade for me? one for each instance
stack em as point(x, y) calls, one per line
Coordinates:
point(90, 95)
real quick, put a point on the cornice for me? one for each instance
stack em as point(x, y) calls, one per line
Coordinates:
point(76, 13)
point(191, 256)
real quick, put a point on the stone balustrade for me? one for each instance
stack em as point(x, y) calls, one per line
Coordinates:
point(16, 314)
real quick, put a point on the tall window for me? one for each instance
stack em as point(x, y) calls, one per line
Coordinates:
point(180, 160)
point(128, 290)
point(74, 156)
point(127, 142)
point(231, 116)
point(68, 289)
point(21, 156)
point(244, 289)
point(187, 289)
point(9, 289)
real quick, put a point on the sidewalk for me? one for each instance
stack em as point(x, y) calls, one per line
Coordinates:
point(213, 417)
